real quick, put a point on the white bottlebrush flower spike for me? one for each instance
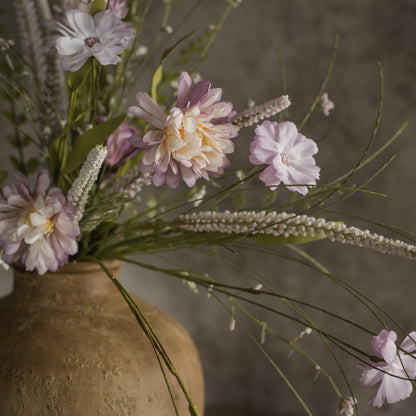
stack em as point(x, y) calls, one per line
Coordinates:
point(84, 36)
point(82, 185)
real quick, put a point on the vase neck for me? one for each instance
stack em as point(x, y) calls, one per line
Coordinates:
point(75, 281)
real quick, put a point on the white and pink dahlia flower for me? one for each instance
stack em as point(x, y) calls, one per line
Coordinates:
point(288, 154)
point(192, 141)
point(37, 227)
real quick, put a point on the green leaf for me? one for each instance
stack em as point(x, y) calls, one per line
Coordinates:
point(268, 198)
point(239, 201)
point(91, 138)
point(3, 176)
point(15, 162)
point(156, 79)
point(32, 165)
point(97, 6)
point(77, 78)
point(130, 164)
point(281, 239)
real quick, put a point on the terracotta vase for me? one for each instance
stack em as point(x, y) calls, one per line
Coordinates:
point(69, 345)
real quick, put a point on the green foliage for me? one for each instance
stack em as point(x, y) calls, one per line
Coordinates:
point(130, 164)
point(156, 79)
point(239, 202)
point(3, 176)
point(32, 165)
point(268, 199)
point(77, 78)
point(103, 210)
point(97, 6)
point(91, 138)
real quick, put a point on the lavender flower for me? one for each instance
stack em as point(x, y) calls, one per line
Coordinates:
point(193, 140)
point(288, 153)
point(37, 227)
point(97, 36)
point(118, 144)
point(394, 371)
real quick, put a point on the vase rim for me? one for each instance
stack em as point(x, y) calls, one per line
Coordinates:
point(76, 267)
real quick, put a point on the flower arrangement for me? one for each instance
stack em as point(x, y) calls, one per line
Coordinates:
point(116, 177)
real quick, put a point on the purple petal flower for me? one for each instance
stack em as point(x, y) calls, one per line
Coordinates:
point(118, 144)
point(394, 372)
point(37, 227)
point(100, 36)
point(192, 141)
point(288, 153)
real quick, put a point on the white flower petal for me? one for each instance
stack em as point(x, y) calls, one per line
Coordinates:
point(69, 46)
point(106, 21)
point(148, 110)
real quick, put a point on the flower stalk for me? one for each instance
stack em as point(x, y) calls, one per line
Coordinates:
point(291, 225)
point(80, 189)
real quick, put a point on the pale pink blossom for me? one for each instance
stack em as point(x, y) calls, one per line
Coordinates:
point(288, 153)
point(37, 227)
point(394, 372)
point(326, 104)
point(346, 406)
point(103, 36)
point(192, 141)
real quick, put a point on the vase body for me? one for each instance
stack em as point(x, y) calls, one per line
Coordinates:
point(70, 345)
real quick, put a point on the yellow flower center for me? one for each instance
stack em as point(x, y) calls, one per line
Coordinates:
point(48, 225)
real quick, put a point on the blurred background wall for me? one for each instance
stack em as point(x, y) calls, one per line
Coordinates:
point(245, 64)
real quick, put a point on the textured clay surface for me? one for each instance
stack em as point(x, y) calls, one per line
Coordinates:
point(71, 346)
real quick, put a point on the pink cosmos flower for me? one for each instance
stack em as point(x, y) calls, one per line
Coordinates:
point(192, 141)
point(103, 36)
point(288, 153)
point(37, 227)
point(394, 371)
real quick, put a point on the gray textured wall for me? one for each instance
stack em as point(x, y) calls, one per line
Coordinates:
point(243, 63)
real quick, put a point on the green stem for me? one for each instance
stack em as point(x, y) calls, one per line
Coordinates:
point(151, 335)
